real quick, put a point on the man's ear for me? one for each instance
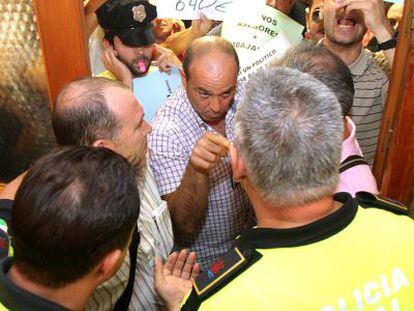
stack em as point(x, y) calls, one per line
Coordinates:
point(108, 265)
point(183, 78)
point(104, 143)
point(237, 164)
point(106, 43)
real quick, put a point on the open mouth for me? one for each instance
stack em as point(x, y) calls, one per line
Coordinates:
point(349, 22)
point(141, 66)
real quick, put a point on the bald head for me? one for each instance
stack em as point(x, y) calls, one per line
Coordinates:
point(81, 114)
point(205, 47)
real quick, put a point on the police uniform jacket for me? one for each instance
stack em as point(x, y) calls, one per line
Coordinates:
point(358, 258)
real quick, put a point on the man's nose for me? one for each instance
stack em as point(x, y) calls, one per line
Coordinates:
point(215, 104)
point(149, 127)
point(139, 51)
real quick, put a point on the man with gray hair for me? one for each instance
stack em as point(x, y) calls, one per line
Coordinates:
point(354, 172)
point(311, 250)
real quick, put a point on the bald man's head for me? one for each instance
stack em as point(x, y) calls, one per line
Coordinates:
point(207, 46)
point(81, 114)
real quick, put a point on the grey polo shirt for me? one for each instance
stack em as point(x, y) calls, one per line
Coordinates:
point(371, 86)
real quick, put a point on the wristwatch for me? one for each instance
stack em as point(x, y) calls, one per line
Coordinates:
point(386, 45)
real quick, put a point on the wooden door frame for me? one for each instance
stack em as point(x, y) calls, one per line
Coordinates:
point(64, 42)
point(394, 161)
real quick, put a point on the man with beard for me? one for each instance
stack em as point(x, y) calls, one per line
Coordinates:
point(129, 49)
point(346, 22)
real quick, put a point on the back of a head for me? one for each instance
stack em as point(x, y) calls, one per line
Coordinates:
point(74, 206)
point(81, 114)
point(208, 45)
point(288, 130)
point(326, 67)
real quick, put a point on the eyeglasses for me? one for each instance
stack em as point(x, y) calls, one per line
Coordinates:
point(317, 15)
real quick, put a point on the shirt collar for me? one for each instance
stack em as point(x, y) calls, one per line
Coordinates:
point(15, 298)
point(262, 238)
point(350, 145)
point(359, 66)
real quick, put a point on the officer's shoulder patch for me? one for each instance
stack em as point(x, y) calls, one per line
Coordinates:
point(367, 200)
point(4, 244)
point(223, 271)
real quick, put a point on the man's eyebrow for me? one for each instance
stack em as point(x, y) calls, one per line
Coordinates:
point(200, 89)
point(141, 120)
point(229, 90)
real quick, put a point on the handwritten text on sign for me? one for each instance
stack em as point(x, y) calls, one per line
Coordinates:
point(213, 9)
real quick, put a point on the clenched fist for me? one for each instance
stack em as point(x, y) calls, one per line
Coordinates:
point(208, 151)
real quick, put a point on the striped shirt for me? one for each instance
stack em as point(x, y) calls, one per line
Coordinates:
point(154, 225)
point(176, 129)
point(371, 86)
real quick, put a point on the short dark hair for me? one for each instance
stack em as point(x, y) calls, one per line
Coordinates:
point(74, 206)
point(324, 66)
point(206, 45)
point(81, 114)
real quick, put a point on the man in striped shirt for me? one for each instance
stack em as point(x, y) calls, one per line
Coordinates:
point(346, 22)
point(104, 113)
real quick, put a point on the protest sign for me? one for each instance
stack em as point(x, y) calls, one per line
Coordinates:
point(214, 9)
point(272, 50)
point(248, 38)
point(153, 89)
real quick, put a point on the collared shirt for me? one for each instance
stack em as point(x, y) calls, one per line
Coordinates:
point(176, 129)
point(371, 86)
point(155, 228)
point(16, 298)
point(357, 178)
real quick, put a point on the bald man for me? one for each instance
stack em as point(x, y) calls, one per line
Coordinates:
point(189, 145)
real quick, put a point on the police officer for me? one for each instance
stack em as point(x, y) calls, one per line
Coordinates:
point(129, 49)
point(312, 250)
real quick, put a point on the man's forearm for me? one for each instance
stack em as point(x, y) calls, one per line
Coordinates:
point(188, 203)
point(384, 34)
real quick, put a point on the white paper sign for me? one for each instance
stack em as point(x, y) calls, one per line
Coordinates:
point(271, 51)
point(214, 9)
point(248, 38)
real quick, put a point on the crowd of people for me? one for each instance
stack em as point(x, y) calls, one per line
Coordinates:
point(252, 195)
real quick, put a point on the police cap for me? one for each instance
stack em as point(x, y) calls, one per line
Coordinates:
point(129, 20)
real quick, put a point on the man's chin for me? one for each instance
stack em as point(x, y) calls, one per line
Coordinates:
point(346, 40)
point(136, 72)
point(214, 121)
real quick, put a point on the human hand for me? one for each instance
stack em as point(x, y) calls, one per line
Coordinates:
point(111, 62)
point(165, 59)
point(373, 12)
point(201, 26)
point(284, 6)
point(174, 279)
point(208, 151)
